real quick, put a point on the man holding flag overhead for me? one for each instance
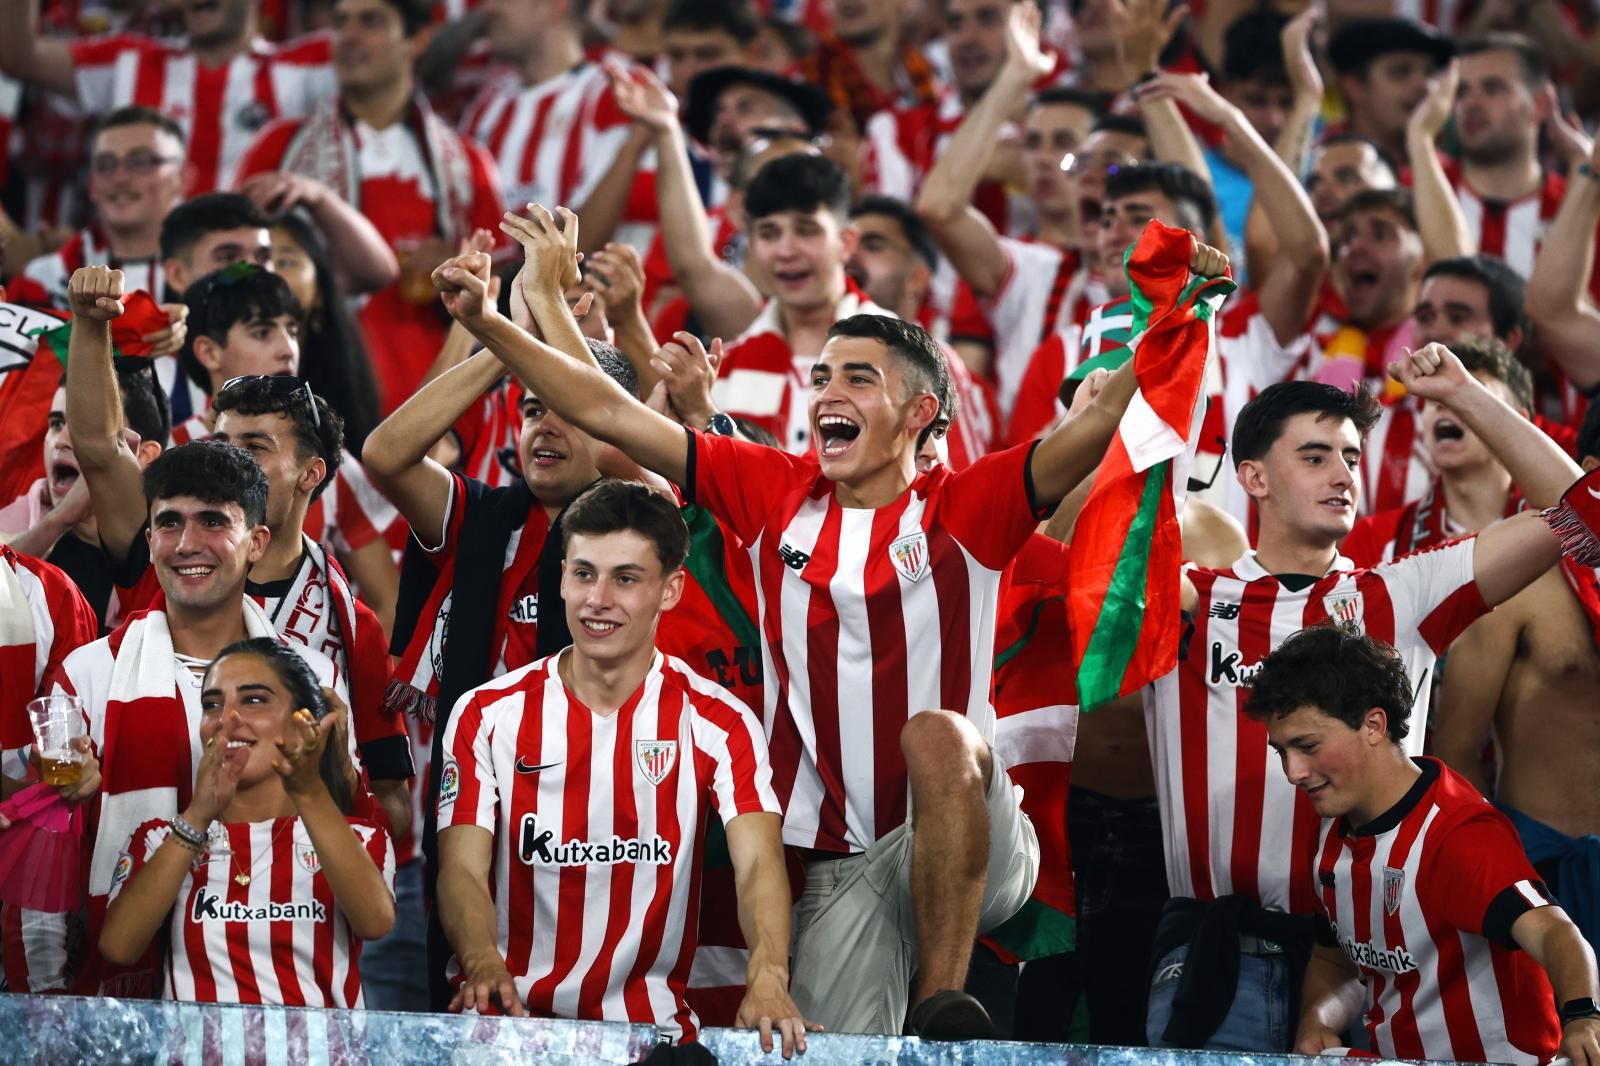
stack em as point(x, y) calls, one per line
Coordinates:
point(878, 591)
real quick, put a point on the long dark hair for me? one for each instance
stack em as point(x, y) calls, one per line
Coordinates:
point(333, 357)
point(305, 691)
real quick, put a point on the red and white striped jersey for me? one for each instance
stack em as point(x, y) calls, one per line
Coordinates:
point(1232, 823)
point(279, 939)
point(867, 617)
point(1422, 900)
point(220, 108)
point(1509, 230)
point(553, 141)
point(1047, 290)
point(764, 380)
point(597, 822)
point(1104, 330)
point(976, 430)
point(43, 617)
point(44, 280)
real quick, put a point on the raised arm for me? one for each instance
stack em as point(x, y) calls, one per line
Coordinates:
point(1439, 218)
point(1510, 554)
point(94, 410)
point(1290, 287)
point(1567, 324)
point(603, 210)
point(723, 298)
point(578, 391)
point(466, 910)
point(755, 844)
point(1294, 139)
point(1073, 449)
point(945, 202)
point(361, 257)
point(26, 56)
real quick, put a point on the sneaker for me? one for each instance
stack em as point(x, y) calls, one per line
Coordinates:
point(951, 1015)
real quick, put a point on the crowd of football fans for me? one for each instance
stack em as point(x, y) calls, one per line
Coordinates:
point(634, 510)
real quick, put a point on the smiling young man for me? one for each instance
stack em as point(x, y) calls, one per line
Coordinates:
point(1433, 917)
point(138, 172)
point(798, 209)
point(1237, 838)
point(586, 777)
point(877, 588)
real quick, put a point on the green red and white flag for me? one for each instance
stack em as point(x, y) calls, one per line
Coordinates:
point(1126, 546)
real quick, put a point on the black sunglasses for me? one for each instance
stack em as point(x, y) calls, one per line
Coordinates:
point(1196, 485)
point(280, 385)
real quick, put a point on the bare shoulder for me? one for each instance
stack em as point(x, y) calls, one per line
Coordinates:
point(1211, 537)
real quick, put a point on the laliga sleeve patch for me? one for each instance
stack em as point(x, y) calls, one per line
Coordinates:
point(123, 868)
point(449, 784)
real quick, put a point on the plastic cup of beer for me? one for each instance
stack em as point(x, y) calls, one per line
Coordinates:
point(57, 722)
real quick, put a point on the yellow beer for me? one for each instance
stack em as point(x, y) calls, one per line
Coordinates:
point(59, 771)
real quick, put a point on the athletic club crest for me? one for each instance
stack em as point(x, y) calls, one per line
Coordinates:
point(656, 758)
point(1344, 608)
point(305, 856)
point(910, 555)
point(1394, 883)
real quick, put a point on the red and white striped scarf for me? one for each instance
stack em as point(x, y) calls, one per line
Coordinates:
point(318, 610)
point(18, 640)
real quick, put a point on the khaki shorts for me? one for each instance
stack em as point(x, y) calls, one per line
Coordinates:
point(855, 937)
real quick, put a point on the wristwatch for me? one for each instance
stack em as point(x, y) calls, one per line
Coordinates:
point(1573, 1009)
point(722, 425)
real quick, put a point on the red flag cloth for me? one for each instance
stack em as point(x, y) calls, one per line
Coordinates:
point(28, 384)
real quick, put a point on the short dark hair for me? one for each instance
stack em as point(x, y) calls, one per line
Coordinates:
point(212, 472)
point(1188, 191)
point(304, 689)
point(614, 506)
point(1261, 421)
point(911, 224)
point(210, 212)
point(318, 435)
point(1252, 48)
point(414, 15)
point(736, 18)
point(797, 183)
point(912, 345)
point(615, 365)
point(1397, 201)
point(1505, 288)
point(1131, 125)
point(222, 299)
point(137, 115)
point(1338, 670)
point(1589, 433)
point(758, 142)
point(1346, 137)
point(145, 409)
point(1067, 95)
point(1490, 356)
point(1535, 71)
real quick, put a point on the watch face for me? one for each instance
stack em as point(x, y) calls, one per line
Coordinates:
point(721, 424)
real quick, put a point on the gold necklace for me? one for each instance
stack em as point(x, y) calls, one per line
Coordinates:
point(242, 877)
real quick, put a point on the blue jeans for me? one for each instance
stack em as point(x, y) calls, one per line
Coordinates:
point(394, 968)
point(1259, 1019)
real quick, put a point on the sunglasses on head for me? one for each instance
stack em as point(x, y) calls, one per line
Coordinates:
point(280, 385)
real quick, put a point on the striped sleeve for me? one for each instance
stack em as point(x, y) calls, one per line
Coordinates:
point(741, 483)
point(1434, 593)
point(1480, 879)
point(729, 734)
point(989, 506)
point(380, 848)
point(468, 791)
point(95, 61)
point(142, 846)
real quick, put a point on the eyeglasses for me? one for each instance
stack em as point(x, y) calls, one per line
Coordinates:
point(138, 163)
point(279, 385)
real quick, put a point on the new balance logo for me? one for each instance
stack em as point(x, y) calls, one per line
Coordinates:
point(793, 558)
point(537, 846)
point(1229, 668)
point(1224, 610)
point(1395, 960)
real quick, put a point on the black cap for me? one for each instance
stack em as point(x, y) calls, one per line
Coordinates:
point(813, 104)
point(1360, 42)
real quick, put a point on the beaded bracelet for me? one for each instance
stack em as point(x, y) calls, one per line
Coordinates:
point(188, 834)
point(185, 843)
